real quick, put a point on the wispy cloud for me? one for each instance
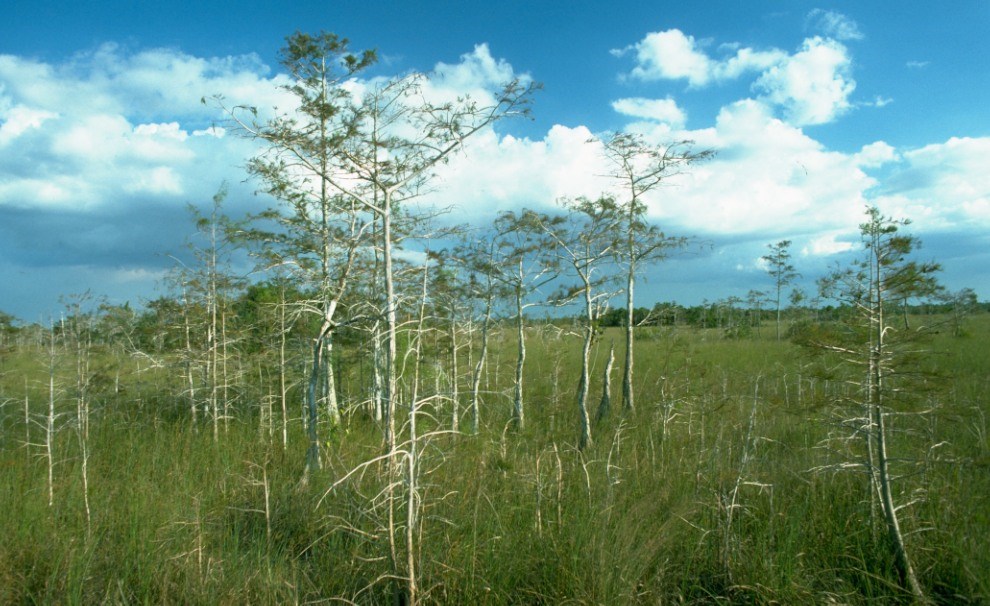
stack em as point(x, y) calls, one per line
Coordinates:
point(834, 25)
point(658, 110)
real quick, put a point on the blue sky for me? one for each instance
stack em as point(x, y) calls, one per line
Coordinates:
point(815, 109)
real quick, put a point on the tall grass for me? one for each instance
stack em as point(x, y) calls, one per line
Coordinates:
point(711, 492)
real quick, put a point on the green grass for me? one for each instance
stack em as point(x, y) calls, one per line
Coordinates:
point(509, 517)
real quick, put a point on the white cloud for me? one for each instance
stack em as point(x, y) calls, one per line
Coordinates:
point(17, 120)
point(108, 126)
point(876, 154)
point(476, 70)
point(170, 130)
point(813, 86)
point(768, 176)
point(673, 55)
point(495, 174)
point(878, 101)
point(943, 185)
point(119, 136)
point(835, 25)
point(659, 110)
point(476, 75)
point(160, 180)
point(827, 244)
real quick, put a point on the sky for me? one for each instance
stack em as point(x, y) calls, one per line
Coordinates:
point(814, 109)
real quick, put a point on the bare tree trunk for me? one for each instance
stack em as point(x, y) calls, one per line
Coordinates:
point(224, 378)
point(312, 415)
point(283, 390)
point(517, 408)
point(583, 386)
point(333, 407)
point(82, 416)
point(377, 401)
point(27, 419)
point(390, 327)
point(412, 458)
point(627, 370)
point(211, 371)
point(189, 364)
point(480, 365)
point(454, 395)
point(50, 425)
point(876, 362)
point(606, 403)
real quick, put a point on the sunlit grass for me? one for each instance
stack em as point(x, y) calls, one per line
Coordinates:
point(704, 494)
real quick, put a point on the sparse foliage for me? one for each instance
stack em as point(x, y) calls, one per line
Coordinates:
point(781, 270)
point(639, 168)
point(880, 356)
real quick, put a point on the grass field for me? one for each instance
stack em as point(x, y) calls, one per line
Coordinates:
point(729, 484)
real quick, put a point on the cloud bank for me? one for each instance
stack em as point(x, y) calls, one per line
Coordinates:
point(100, 155)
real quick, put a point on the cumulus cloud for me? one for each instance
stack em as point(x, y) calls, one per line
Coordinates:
point(813, 86)
point(504, 173)
point(477, 73)
point(113, 144)
point(15, 121)
point(768, 176)
point(673, 55)
point(103, 180)
point(876, 154)
point(943, 185)
point(105, 161)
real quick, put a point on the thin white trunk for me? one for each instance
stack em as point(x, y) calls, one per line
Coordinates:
point(605, 405)
point(189, 361)
point(518, 415)
point(877, 355)
point(627, 371)
point(333, 408)
point(283, 390)
point(390, 381)
point(479, 367)
point(50, 425)
point(454, 394)
point(583, 386)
